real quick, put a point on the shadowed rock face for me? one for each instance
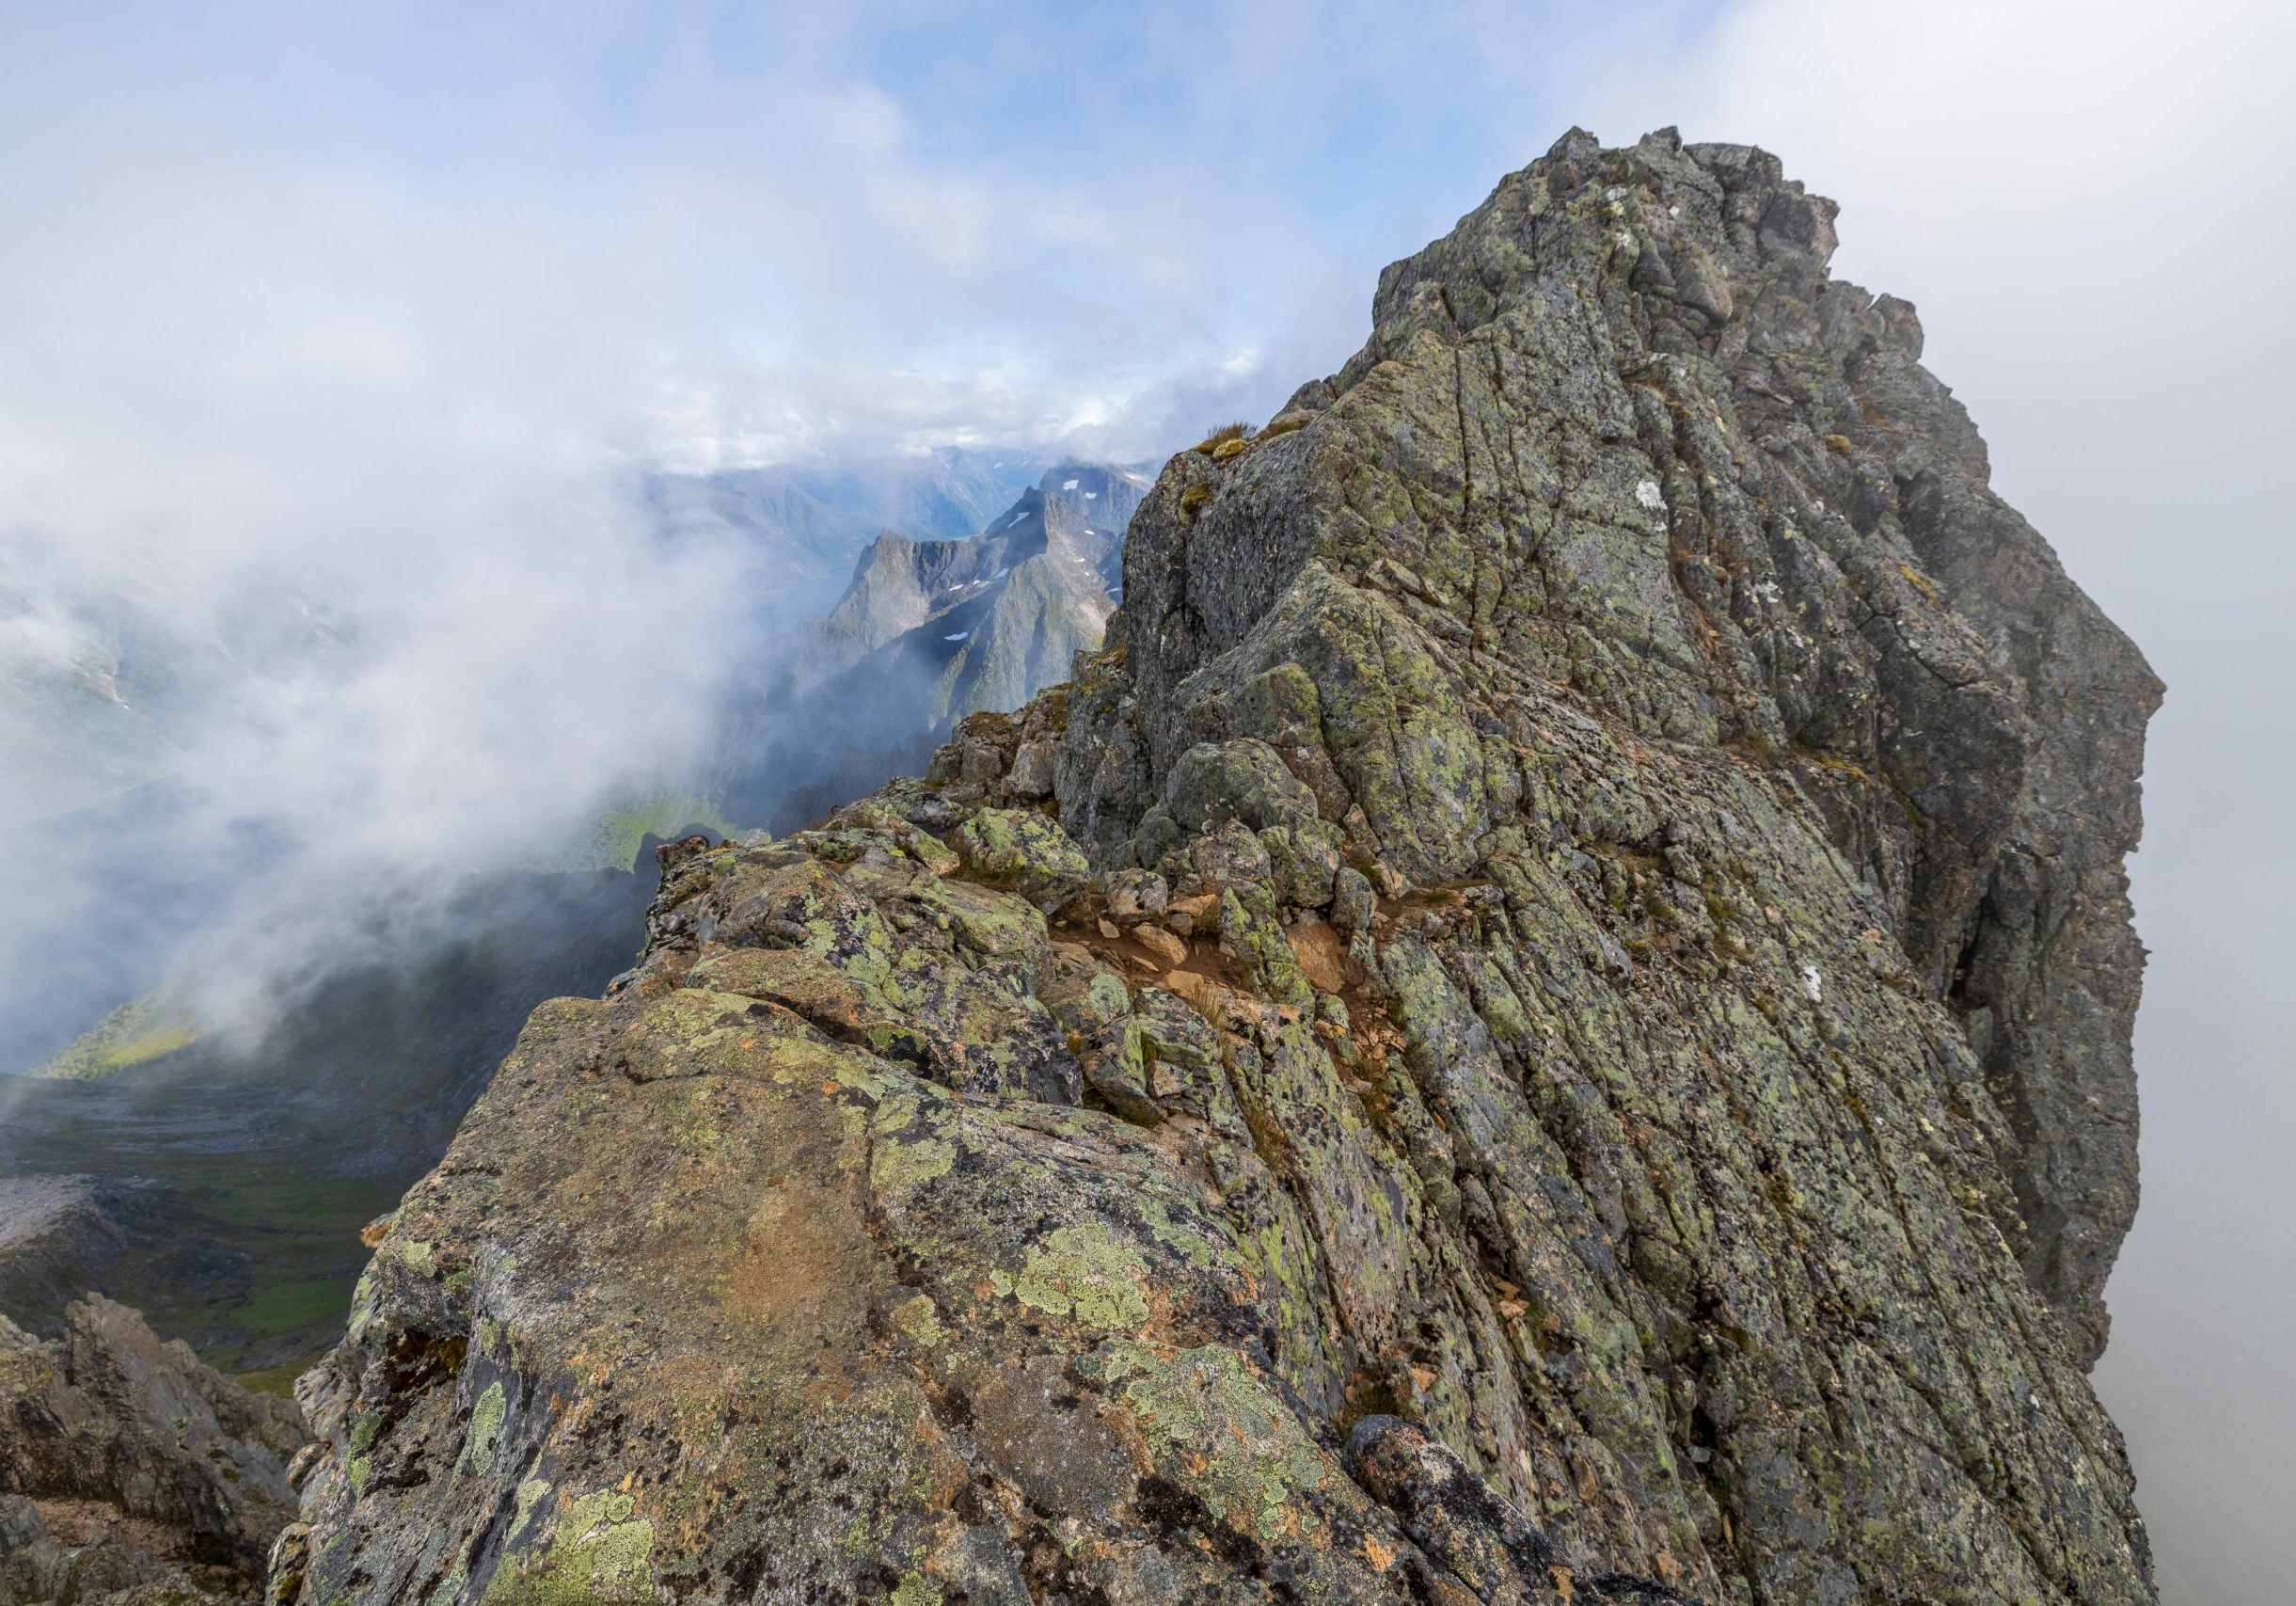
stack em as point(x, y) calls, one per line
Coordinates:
point(1548, 1022)
point(126, 1466)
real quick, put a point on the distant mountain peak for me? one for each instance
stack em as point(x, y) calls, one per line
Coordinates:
point(929, 631)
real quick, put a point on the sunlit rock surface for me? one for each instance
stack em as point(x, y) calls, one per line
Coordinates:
point(1570, 1042)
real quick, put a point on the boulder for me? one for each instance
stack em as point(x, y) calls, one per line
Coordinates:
point(1025, 852)
point(1215, 782)
point(1031, 770)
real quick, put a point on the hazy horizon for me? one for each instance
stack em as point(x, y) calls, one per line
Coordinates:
point(334, 343)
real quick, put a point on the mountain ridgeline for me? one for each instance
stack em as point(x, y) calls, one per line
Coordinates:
point(801, 530)
point(1545, 1020)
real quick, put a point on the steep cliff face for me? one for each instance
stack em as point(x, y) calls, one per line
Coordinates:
point(1548, 1021)
point(933, 629)
point(1627, 437)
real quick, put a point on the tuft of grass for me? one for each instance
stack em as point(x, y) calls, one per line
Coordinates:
point(1828, 761)
point(280, 1380)
point(1222, 435)
point(1283, 423)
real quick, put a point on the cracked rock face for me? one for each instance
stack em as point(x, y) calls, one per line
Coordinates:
point(1548, 1021)
point(130, 1472)
point(1621, 432)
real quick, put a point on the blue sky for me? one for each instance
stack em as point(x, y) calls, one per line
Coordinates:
point(1119, 213)
point(393, 297)
point(709, 234)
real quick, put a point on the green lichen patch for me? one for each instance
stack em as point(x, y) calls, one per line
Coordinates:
point(485, 1431)
point(599, 1554)
point(1214, 1425)
point(915, 1589)
point(920, 1321)
point(1025, 852)
point(1087, 1273)
point(530, 1492)
point(899, 1163)
point(984, 919)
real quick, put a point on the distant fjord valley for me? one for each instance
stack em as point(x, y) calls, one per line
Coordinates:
point(216, 1176)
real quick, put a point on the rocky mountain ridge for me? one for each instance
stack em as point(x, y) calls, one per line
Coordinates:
point(901, 586)
point(212, 1181)
point(1547, 1020)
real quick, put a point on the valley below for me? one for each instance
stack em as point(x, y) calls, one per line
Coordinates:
point(218, 1177)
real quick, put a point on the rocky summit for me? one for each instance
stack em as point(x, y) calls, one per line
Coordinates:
point(1546, 1020)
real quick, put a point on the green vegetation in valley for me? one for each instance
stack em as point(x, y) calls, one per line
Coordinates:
point(139, 1030)
point(223, 1177)
point(615, 839)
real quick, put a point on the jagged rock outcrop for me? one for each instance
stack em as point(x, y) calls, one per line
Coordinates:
point(130, 1472)
point(1639, 444)
point(1548, 1022)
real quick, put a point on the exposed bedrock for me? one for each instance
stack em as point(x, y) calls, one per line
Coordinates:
point(130, 1473)
point(1548, 1021)
point(1619, 432)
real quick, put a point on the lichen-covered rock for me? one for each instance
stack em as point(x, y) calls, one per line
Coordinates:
point(1621, 432)
point(1681, 1168)
point(130, 1470)
point(1025, 852)
point(1303, 861)
point(1031, 770)
point(1215, 782)
point(1230, 855)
